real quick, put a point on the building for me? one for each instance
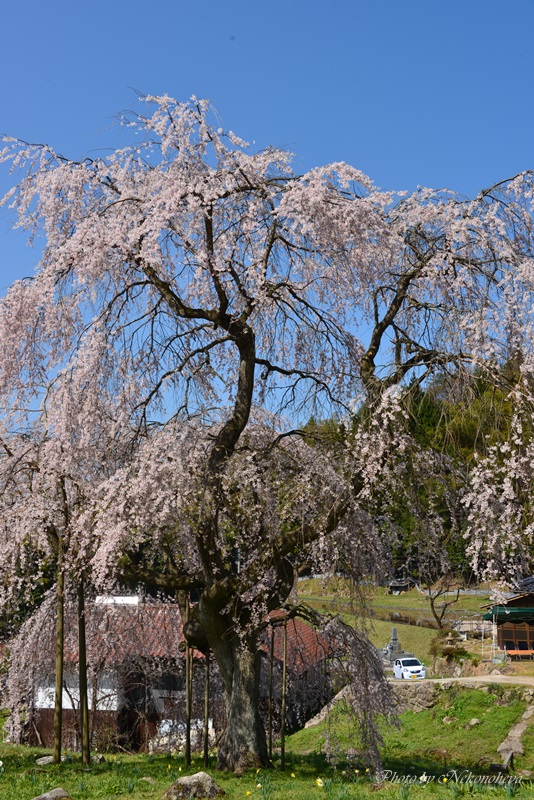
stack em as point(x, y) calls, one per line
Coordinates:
point(137, 685)
point(513, 623)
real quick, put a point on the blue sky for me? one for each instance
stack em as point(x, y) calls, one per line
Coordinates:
point(418, 92)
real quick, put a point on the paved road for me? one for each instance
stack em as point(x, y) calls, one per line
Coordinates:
point(514, 680)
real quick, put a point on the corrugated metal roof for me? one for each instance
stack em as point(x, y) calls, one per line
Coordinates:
point(516, 615)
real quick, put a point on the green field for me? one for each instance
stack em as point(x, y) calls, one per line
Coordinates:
point(335, 594)
point(435, 753)
point(413, 638)
point(424, 754)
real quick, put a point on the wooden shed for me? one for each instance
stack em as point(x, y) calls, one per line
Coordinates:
point(514, 622)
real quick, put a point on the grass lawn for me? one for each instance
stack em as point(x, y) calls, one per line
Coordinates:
point(413, 638)
point(527, 760)
point(434, 754)
point(424, 741)
point(424, 745)
point(305, 778)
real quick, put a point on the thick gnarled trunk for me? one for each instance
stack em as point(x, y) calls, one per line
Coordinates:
point(243, 744)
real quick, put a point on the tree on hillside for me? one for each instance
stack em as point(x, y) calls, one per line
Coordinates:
point(197, 302)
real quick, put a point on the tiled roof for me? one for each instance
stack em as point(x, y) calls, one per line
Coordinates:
point(527, 584)
point(121, 633)
point(305, 646)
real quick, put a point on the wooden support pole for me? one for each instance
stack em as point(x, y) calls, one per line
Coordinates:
point(207, 711)
point(188, 693)
point(283, 709)
point(271, 661)
point(82, 677)
point(60, 635)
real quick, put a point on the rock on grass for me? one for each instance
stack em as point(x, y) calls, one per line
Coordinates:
point(198, 785)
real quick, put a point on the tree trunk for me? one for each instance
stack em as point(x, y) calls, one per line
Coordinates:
point(243, 744)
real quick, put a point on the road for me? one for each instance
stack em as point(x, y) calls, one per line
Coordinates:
point(514, 680)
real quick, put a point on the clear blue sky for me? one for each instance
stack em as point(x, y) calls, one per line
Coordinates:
point(420, 92)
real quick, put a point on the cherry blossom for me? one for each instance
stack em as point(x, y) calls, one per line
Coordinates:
point(196, 303)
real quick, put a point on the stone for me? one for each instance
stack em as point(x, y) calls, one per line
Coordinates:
point(54, 794)
point(449, 720)
point(474, 722)
point(415, 695)
point(199, 785)
point(45, 760)
point(147, 779)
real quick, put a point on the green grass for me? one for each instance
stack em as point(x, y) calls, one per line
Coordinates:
point(424, 740)
point(122, 778)
point(527, 760)
point(333, 595)
point(413, 639)
point(423, 744)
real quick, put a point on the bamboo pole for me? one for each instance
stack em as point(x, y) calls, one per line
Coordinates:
point(271, 695)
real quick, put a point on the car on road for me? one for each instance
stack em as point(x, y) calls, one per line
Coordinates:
point(409, 669)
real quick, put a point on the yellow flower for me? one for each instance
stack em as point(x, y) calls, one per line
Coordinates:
point(168, 766)
point(357, 771)
point(445, 779)
point(367, 770)
point(258, 771)
point(319, 783)
point(248, 794)
point(258, 786)
point(292, 774)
